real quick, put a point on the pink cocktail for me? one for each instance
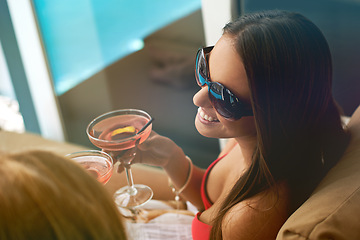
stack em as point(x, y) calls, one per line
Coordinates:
point(119, 132)
point(98, 164)
point(102, 133)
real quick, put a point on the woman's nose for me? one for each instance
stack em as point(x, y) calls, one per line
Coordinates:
point(201, 98)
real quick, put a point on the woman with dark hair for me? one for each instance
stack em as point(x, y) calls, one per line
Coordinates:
point(266, 86)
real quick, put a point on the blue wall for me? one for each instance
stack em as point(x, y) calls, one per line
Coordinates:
point(82, 37)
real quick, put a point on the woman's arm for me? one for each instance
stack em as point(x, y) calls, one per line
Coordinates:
point(162, 152)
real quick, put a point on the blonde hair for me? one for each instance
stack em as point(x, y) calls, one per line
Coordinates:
point(46, 196)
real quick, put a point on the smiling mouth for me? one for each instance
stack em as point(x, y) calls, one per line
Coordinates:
point(206, 117)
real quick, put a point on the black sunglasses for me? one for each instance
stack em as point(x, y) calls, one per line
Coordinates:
point(224, 101)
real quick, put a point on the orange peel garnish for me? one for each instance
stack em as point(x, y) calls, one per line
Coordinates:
point(128, 129)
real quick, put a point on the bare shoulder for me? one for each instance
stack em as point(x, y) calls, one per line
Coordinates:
point(260, 217)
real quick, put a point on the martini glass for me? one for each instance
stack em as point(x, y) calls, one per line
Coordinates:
point(119, 132)
point(99, 164)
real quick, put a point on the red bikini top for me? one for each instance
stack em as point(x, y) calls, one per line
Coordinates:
point(200, 230)
point(204, 195)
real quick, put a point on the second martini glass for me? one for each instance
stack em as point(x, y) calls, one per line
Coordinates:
point(119, 132)
point(99, 164)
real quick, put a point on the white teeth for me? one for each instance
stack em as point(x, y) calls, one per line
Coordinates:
point(206, 117)
point(202, 114)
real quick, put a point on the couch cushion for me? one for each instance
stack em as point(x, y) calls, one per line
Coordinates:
point(333, 210)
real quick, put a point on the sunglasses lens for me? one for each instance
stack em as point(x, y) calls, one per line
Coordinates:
point(217, 96)
point(201, 69)
point(226, 103)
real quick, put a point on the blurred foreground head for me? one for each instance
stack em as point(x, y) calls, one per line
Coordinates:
point(46, 196)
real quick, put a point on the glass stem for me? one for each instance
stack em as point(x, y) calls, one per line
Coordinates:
point(129, 178)
point(132, 190)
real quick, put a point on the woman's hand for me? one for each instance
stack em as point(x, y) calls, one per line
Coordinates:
point(157, 151)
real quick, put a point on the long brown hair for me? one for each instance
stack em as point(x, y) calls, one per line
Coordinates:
point(299, 131)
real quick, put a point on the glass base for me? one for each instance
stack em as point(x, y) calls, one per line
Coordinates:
point(127, 197)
